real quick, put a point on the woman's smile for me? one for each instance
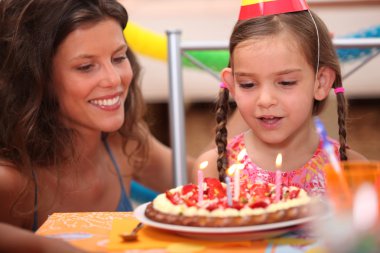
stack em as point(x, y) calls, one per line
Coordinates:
point(109, 103)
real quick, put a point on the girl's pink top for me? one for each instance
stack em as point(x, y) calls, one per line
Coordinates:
point(310, 177)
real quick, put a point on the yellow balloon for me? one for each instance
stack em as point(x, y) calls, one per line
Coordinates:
point(146, 42)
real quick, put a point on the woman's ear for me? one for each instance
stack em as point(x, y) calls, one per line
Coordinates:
point(325, 79)
point(228, 78)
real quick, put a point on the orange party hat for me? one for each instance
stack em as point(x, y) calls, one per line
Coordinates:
point(256, 8)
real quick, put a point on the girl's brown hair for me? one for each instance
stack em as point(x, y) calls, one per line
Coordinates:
point(303, 29)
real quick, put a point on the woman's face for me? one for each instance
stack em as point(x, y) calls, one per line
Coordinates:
point(91, 76)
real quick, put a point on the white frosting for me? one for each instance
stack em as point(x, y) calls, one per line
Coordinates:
point(164, 205)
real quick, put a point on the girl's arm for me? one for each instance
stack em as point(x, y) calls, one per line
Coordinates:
point(352, 155)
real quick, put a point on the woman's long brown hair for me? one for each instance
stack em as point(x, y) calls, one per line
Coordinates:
point(31, 133)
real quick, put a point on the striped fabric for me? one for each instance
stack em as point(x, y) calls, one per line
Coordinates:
point(256, 8)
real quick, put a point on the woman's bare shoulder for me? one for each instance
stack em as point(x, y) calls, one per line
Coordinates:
point(10, 178)
point(12, 183)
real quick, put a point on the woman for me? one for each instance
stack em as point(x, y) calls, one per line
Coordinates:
point(73, 134)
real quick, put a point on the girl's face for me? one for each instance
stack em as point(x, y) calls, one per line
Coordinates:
point(91, 76)
point(273, 87)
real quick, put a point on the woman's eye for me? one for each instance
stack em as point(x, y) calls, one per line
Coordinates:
point(85, 68)
point(288, 83)
point(119, 59)
point(246, 85)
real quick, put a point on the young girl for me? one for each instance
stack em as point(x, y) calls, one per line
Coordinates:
point(71, 112)
point(282, 68)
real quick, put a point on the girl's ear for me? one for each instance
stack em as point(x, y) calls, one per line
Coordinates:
point(228, 78)
point(325, 79)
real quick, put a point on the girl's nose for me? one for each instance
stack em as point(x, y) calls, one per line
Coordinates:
point(266, 97)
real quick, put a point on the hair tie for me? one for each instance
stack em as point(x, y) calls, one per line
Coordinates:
point(339, 90)
point(222, 85)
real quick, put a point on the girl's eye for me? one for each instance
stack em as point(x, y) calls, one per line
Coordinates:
point(288, 83)
point(246, 85)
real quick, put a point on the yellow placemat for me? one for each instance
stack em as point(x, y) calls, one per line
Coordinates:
point(152, 238)
point(99, 232)
point(86, 230)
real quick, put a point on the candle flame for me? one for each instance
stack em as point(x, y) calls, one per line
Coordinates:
point(241, 154)
point(279, 160)
point(231, 170)
point(234, 167)
point(239, 166)
point(203, 165)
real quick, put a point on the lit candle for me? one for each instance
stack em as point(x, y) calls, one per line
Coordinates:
point(236, 182)
point(228, 188)
point(241, 155)
point(202, 166)
point(236, 170)
point(278, 176)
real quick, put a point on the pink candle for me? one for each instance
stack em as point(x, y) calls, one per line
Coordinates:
point(278, 177)
point(236, 183)
point(202, 166)
point(236, 170)
point(228, 189)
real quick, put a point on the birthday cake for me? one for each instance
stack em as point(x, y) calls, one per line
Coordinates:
point(257, 203)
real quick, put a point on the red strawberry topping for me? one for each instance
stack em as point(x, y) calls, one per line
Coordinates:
point(258, 204)
point(173, 197)
point(190, 201)
point(258, 195)
point(189, 188)
point(260, 190)
point(215, 188)
point(294, 194)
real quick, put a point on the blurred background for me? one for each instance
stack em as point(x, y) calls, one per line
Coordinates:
point(212, 20)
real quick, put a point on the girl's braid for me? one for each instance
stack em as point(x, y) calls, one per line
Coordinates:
point(342, 109)
point(222, 108)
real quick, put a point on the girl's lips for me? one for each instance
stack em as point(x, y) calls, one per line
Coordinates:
point(270, 122)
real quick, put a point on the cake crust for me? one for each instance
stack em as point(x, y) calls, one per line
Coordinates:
point(208, 221)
